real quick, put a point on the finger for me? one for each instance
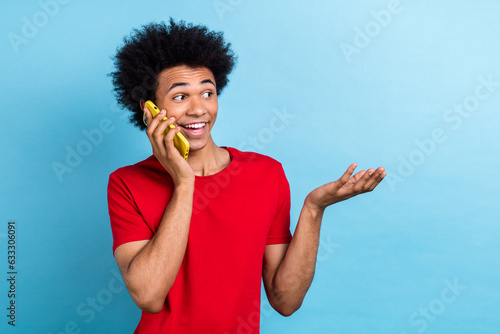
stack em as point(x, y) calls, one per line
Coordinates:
point(153, 121)
point(344, 178)
point(379, 179)
point(170, 142)
point(358, 186)
point(163, 125)
point(152, 126)
point(158, 136)
point(355, 178)
point(373, 180)
point(169, 138)
point(150, 118)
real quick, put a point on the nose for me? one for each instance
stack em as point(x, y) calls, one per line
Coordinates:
point(196, 107)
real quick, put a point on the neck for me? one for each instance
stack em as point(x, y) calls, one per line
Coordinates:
point(208, 160)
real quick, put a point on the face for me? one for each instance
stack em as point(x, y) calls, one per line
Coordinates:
point(189, 94)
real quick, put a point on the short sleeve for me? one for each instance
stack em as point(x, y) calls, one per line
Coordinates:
point(127, 223)
point(279, 232)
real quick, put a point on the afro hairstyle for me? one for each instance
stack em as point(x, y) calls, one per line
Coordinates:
point(155, 47)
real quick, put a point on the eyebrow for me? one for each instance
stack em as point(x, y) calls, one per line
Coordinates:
point(176, 84)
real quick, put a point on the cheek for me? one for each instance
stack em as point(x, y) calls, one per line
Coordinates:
point(213, 111)
point(174, 110)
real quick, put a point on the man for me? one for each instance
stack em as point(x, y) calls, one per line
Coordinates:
point(193, 238)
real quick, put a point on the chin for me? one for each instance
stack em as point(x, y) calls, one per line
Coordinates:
point(197, 146)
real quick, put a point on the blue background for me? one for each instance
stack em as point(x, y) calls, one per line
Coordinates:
point(379, 93)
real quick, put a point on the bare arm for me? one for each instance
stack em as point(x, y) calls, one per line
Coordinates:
point(149, 267)
point(288, 272)
point(287, 287)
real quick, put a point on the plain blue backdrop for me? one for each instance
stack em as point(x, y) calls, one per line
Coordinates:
point(413, 86)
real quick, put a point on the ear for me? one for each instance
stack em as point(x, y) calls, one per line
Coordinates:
point(141, 102)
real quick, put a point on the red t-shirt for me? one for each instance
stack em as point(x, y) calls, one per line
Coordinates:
point(236, 213)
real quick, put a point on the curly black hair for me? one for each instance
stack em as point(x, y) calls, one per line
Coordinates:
point(155, 47)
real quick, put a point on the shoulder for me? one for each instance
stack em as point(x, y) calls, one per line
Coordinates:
point(257, 168)
point(254, 159)
point(139, 170)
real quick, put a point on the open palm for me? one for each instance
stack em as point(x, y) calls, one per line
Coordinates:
point(346, 187)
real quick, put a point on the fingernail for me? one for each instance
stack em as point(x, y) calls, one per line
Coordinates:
point(162, 112)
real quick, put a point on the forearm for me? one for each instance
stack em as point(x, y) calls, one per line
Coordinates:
point(152, 272)
point(295, 274)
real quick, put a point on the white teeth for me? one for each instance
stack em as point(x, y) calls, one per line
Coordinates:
point(194, 126)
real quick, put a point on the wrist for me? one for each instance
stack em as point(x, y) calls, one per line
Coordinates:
point(313, 208)
point(184, 186)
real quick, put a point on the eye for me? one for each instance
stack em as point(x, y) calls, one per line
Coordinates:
point(179, 97)
point(207, 94)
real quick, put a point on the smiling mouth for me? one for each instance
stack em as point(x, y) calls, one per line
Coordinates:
point(194, 130)
point(194, 126)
